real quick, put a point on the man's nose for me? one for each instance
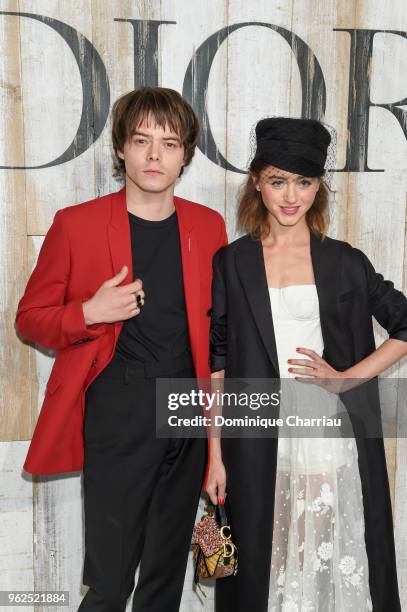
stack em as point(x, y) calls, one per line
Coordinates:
point(153, 151)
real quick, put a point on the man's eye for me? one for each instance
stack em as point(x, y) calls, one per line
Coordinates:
point(140, 140)
point(170, 145)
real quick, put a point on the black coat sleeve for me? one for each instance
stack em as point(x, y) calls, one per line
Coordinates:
point(218, 326)
point(388, 305)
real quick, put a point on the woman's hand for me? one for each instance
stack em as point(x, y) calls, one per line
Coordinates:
point(317, 371)
point(315, 366)
point(216, 482)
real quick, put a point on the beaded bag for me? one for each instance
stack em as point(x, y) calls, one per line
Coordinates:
point(215, 555)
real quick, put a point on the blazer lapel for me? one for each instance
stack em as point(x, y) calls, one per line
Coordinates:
point(325, 262)
point(190, 273)
point(119, 235)
point(252, 274)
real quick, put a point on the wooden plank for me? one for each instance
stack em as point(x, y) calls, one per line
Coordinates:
point(51, 120)
point(376, 211)
point(14, 392)
point(58, 541)
point(16, 525)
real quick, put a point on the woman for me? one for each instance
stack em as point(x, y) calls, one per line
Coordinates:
point(311, 518)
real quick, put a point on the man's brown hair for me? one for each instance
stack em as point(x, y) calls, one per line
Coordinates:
point(166, 107)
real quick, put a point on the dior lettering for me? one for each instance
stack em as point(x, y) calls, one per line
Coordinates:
point(96, 89)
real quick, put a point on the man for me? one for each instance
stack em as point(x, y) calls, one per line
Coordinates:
point(122, 289)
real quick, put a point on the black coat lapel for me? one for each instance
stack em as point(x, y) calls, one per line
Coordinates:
point(252, 274)
point(326, 262)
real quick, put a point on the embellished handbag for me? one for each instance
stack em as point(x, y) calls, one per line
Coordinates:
point(215, 555)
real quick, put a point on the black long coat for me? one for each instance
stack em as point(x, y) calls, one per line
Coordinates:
point(350, 292)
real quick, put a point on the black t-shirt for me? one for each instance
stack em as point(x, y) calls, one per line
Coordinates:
point(160, 330)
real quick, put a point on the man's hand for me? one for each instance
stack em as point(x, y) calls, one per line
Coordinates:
point(112, 303)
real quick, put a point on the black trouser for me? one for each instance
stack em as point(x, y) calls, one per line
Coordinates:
point(140, 494)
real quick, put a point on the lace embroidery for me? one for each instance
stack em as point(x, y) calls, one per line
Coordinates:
point(319, 561)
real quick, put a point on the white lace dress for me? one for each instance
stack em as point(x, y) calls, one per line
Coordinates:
point(319, 561)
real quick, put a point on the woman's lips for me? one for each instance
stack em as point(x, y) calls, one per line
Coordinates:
point(289, 210)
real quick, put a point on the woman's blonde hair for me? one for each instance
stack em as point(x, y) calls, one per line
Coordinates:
point(252, 216)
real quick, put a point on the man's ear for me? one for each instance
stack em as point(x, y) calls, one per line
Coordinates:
point(120, 154)
point(182, 168)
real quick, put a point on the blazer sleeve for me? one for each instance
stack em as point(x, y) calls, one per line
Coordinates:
point(43, 314)
point(218, 325)
point(388, 305)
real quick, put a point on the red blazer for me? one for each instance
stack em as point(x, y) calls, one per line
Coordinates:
point(87, 244)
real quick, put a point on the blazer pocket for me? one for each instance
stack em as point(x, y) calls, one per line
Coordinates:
point(349, 295)
point(52, 384)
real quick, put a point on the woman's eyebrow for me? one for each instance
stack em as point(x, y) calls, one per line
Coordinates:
point(284, 178)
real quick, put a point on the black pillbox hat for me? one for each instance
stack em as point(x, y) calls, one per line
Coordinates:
point(296, 145)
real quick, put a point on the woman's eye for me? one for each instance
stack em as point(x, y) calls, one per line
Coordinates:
point(305, 183)
point(276, 183)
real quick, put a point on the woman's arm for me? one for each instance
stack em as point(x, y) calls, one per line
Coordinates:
point(216, 480)
point(386, 355)
point(215, 451)
point(389, 307)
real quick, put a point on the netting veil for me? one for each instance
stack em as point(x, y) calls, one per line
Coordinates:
point(330, 163)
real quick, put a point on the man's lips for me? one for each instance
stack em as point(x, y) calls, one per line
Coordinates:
point(153, 172)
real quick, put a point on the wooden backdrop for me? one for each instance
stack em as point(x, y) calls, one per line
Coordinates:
point(63, 63)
